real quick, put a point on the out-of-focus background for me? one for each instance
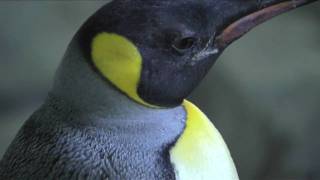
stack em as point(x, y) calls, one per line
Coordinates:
point(263, 94)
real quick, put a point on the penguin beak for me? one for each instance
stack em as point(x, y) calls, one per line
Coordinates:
point(266, 10)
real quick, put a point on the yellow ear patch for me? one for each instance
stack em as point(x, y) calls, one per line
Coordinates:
point(119, 61)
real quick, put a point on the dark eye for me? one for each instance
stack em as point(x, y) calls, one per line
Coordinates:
point(183, 44)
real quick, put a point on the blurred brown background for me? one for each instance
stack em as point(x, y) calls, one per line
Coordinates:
point(263, 93)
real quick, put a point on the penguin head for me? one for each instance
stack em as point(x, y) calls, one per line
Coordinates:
point(157, 52)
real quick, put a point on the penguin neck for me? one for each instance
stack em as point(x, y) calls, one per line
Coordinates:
point(79, 86)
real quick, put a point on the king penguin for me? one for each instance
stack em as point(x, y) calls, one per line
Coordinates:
point(117, 108)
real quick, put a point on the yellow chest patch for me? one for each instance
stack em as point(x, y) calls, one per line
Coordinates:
point(201, 153)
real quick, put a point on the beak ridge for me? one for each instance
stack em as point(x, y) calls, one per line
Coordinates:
point(243, 25)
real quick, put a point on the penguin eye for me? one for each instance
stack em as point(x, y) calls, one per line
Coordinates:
point(183, 44)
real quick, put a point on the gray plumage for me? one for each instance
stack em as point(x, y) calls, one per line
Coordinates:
point(87, 129)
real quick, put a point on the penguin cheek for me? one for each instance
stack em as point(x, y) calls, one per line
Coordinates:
point(167, 79)
point(166, 84)
point(164, 93)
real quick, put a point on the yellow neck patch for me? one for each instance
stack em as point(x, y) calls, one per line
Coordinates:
point(119, 61)
point(200, 152)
